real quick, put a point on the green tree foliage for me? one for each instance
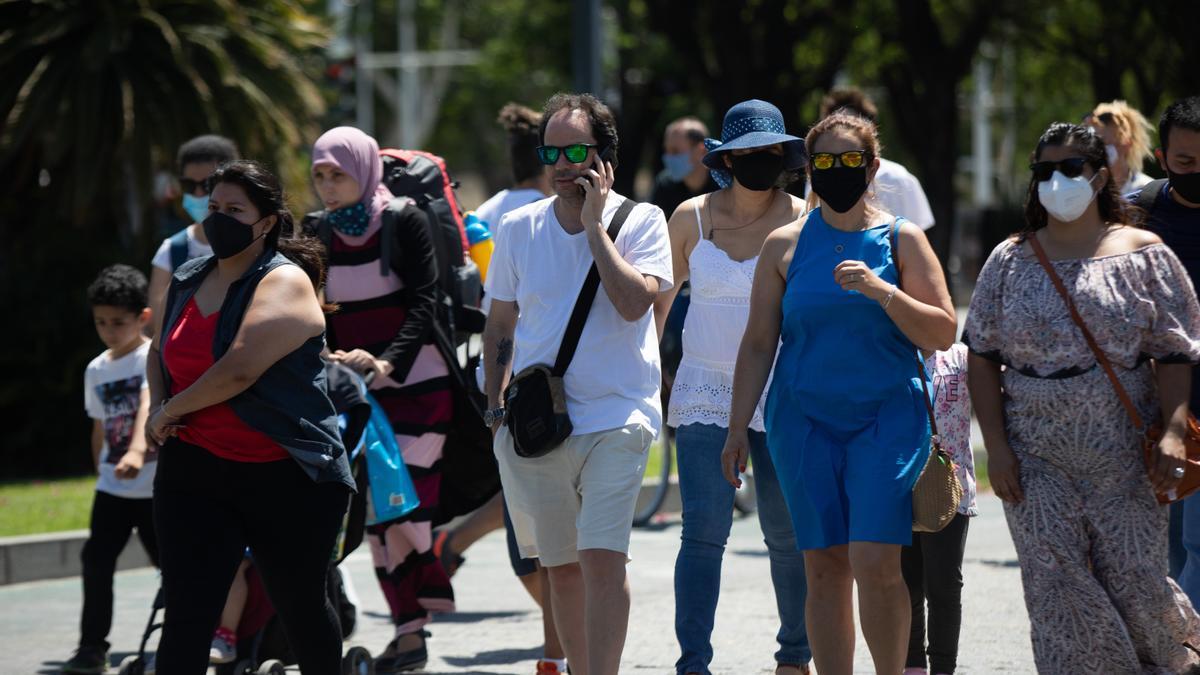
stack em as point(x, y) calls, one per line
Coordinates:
point(94, 97)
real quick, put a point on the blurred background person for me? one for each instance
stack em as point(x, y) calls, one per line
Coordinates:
point(1126, 135)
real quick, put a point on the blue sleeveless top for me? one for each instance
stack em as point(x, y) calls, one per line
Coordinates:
point(841, 356)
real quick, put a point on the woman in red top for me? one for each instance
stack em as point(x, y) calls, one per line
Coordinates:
point(250, 453)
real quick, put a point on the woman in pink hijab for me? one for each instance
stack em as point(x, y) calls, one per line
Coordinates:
point(387, 325)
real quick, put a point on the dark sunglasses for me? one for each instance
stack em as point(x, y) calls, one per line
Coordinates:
point(190, 186)
point(576, 153)
point(851, 159)
point(1071, 167)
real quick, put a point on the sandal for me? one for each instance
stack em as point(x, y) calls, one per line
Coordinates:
point(392, 661)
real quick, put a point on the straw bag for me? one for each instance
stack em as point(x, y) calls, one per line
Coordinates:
point(1151, 435)
point(937, 493)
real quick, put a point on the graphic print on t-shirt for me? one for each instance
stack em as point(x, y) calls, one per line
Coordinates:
point(120, 399)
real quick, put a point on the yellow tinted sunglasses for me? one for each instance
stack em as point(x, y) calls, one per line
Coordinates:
point(851, 159)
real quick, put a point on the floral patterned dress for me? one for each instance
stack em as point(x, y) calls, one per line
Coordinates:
point(1090, 537)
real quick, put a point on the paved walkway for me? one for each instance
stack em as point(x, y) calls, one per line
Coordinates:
point(497, 630)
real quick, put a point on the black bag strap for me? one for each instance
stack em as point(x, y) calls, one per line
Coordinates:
point(935, 440)
point(179, 248)
point(1148, 197)
point(583, 306)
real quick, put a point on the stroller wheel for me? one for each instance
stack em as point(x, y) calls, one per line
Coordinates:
point(132, 665)
point(241, 667)
point(271, 667)
point(358, 661)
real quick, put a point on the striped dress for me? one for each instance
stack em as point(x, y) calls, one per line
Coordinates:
point(392, 318)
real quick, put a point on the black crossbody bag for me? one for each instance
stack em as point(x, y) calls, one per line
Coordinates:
point(535, 402)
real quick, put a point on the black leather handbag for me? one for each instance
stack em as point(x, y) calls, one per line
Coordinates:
point(535, 402)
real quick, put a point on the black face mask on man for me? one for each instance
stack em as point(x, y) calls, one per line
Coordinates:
point(1186, 184)
point(757, 171)
point(229, 236)
point(840, 187)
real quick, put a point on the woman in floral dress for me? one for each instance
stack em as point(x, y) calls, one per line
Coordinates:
point(1062, 452)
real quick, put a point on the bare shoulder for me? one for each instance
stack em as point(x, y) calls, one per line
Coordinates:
point(798, 204)
point(910, 233)
point(1131, 238)
point(782, 240)
point(286, 280)
point(683, 220)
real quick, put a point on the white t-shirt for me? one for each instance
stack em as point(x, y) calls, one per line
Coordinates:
point(899, 193)
point(614, 378)
point(112, 389)
point(162, 257)
point(504, 201)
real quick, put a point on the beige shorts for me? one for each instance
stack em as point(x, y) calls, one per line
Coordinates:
point(579, 496)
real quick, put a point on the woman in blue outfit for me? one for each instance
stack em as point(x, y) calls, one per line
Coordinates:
point(846, 426)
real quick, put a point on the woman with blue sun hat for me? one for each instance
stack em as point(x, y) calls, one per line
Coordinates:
point(715, 242)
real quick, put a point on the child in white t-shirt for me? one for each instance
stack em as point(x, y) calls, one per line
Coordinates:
point(116, 397)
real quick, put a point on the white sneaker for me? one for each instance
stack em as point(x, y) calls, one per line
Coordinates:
point(224, 648)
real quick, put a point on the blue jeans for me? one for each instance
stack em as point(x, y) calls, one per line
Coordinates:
point(707, 517)
point(1189, 576)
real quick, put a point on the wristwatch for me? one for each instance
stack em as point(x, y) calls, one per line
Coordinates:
point(490, 417)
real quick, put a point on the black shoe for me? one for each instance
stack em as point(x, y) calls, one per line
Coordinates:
point(400, 662)
point(87, 661)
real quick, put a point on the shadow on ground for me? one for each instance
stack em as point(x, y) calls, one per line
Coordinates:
point(497, 657)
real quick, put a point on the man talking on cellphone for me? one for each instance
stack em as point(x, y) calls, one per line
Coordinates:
point(572, 379)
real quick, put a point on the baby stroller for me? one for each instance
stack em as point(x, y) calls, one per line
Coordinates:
point(263, 648)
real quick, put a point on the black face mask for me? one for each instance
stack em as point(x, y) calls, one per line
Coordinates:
point(757, 171)
point(840, 187)
point(229, 236)
point(1187, 185)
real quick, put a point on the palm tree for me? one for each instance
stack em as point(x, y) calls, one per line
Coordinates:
point(95, 95)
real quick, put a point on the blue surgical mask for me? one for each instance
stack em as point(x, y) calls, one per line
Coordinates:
point(678, 165)
point(196, 207)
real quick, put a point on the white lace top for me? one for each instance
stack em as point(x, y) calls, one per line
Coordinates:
point(712, 333)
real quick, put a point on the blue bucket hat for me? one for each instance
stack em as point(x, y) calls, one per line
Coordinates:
point(751, 124)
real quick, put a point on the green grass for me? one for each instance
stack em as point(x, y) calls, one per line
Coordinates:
point(37, 506)
point(654, 462)
point(981, 475)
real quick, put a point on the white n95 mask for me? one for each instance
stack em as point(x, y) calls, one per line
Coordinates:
point(1066, 198)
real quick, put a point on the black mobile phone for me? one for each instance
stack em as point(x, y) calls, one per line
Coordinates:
point(604, 155)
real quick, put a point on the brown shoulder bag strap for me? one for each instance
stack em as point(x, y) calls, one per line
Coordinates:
point(935, 441)
point(1087, 334)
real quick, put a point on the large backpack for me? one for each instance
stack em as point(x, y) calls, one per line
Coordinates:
point(423, 178)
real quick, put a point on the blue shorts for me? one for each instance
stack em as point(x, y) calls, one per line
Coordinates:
point(852, 484)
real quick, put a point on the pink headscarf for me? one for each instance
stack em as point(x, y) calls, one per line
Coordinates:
point(357, 154)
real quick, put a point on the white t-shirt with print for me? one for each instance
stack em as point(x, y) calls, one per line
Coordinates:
point(162, 257)
point(614, 378)
point(112, 389)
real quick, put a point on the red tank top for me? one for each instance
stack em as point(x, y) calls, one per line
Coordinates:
point(187, 351)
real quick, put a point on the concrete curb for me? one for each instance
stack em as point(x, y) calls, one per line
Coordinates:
point(55, 555)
